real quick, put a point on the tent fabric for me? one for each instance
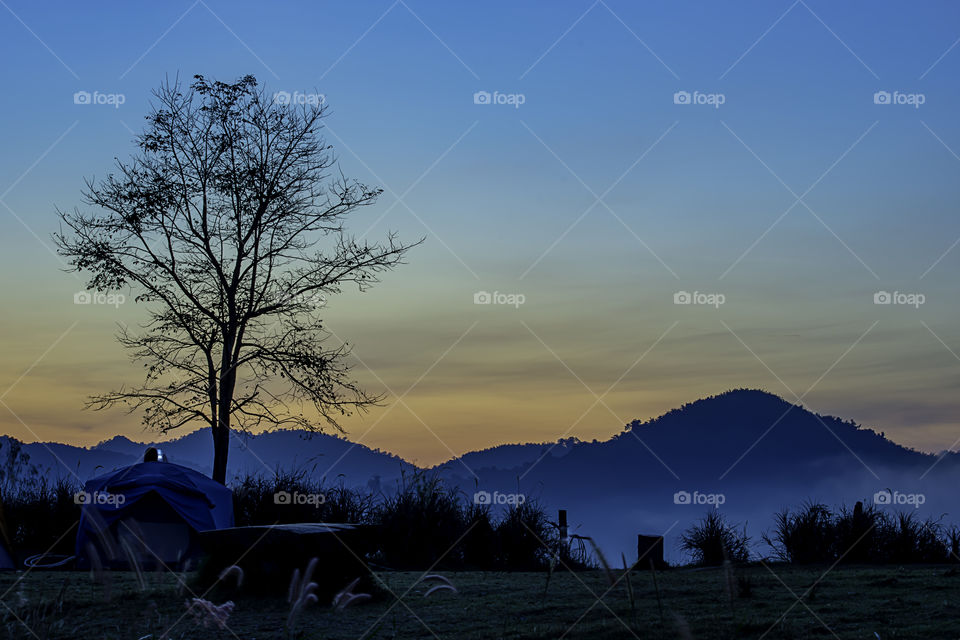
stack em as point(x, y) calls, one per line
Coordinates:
point(150, 492)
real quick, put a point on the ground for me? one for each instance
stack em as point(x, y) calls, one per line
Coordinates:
point(849, 602)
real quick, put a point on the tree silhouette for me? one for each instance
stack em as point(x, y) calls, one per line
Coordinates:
point(228, 224)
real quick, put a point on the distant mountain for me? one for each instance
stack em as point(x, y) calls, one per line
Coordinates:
point(510, 456)
point(749, 450)
point(735, 437)
point(320, 455)
point(63, 460)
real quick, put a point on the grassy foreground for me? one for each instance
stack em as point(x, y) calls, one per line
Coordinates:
point(749, 602)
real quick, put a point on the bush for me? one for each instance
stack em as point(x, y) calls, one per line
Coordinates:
point(481, 539)
point(37, 511)
point(39, 514)
point(803, 537)
point(863, 535)
point(857, 534)
point(525, 538)
point(952, 535)
point(255, 503)
point(422, 524)
point(713, 540)
point(907, 539)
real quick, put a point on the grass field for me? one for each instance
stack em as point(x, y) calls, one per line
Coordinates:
point(749, 602)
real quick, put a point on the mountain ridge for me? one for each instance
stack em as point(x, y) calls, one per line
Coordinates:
point(757, 451)
point(730, 424)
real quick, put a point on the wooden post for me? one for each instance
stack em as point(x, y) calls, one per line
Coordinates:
point(562, 520)
point(650, 548)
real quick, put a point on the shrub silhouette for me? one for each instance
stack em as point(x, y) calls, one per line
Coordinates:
point(480, 542)
point(803, 537)
point(857, 534)
point(713, 540)
point(426, 522)
point(525, 538)
point(814, 534)
point(255, 502)
point(908, 539)
point(38, 514)
point(420, 525)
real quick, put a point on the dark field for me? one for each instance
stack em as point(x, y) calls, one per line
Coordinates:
point(751, 602)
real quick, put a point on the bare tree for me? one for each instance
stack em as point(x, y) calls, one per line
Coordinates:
point(228, 224)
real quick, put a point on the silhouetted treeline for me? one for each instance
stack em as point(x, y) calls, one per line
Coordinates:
point(423, 522)
point(815, 533)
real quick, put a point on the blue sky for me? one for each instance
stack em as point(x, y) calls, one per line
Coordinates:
point(598, 199)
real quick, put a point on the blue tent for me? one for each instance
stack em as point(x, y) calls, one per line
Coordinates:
point(149, 513)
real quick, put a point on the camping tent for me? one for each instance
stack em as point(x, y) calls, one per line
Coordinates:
point(149, 513)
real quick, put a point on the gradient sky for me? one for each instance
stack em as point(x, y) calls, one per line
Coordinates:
point(597, 199)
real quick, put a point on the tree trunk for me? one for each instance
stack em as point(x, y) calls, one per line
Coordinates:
point(221, 447)
point(221, 433)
